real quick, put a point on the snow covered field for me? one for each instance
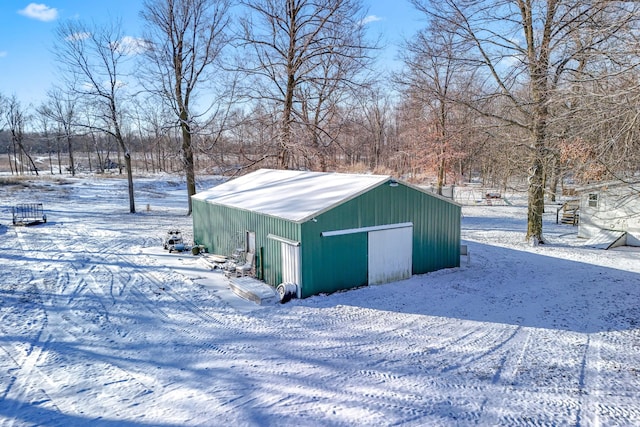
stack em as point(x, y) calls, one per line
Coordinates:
point(99, 326)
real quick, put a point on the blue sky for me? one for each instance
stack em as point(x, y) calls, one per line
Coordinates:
point(27, 29)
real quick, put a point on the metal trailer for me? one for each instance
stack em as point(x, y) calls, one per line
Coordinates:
point(28, 213)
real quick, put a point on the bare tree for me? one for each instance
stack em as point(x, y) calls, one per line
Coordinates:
point(303, 54)
point(93, 61)
point(528, 49)
point(61, 109)
point(433, 78)
point(16, 117)
point(598, 136)
point(155, 124)
point(375, 116)
point(186, 38)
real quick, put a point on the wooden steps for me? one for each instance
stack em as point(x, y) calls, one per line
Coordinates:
point(570, 217)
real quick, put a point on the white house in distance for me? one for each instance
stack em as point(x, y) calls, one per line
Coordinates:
point(610, 214)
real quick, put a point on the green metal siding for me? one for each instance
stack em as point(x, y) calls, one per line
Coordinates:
point(334, 263)
point(331, 264)
point(222, 229)
point(436, 236)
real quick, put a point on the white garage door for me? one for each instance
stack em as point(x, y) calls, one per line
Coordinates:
point(390, 255)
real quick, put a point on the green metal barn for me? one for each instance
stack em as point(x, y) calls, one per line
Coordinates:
point(325, 232)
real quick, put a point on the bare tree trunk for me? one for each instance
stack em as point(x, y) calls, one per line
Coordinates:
point(536, 199)
point(58, 155)
point(284, 154)
point(555, 179)
point(132, 203)
point(442, 124)
point(88, 151)
point(127, 157)
point(34, 168)
point(72, 166)
point(188, 159)
point(10, 160)
point(441, 174)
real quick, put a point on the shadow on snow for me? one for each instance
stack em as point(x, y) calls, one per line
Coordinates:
point(503, 285)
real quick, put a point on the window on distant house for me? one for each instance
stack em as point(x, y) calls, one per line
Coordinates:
point(593, 200)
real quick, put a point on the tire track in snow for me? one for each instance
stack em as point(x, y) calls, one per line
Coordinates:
point(588, 413)
point(109, 273)
point(91, 284)
point(159, 282)
point(28, 381)
point(26, 350)
point(145, 288)
point(603, 379)
point(109, 263)
point(382, 391)
point(110, 374)
point(84, 316)
point(475, 350)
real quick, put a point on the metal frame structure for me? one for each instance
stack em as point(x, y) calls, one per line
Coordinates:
point(28, 213)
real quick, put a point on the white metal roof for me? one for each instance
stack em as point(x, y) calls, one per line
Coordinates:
point(632, 183)
point(293, 195)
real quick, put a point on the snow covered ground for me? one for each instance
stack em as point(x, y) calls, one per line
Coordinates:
point(99, 326)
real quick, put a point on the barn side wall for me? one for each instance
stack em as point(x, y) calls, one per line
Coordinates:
point(340, 262)
point(222, 229)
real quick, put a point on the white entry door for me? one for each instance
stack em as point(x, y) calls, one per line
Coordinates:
point(291, 264)
point(390, 255)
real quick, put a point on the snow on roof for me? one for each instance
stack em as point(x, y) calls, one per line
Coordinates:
point(293, 195)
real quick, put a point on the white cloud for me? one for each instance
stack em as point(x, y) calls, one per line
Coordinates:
point(39, 11)
point(369, 19)
point(131, 45)
point(78, 36)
